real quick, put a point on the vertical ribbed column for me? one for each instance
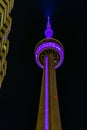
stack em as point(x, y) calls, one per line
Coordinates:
point(46, 95)
point(48, 113)
point(43, 111)
point(40, 116)
point(54, 113)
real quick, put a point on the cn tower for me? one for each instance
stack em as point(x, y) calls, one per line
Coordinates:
point(49, 55)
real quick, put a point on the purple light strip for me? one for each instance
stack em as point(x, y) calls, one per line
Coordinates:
point(49, 45)
point(46, 101)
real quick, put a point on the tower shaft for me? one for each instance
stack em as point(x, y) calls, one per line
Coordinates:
point(48, 113)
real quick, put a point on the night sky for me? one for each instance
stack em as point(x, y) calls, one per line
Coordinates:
point(20, 92)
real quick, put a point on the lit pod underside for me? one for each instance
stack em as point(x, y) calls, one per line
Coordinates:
point(46, 46)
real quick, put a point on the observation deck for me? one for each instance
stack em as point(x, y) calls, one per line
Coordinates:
point(47, 46)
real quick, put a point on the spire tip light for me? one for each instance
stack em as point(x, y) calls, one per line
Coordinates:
point(48, 31)
point(48, 18)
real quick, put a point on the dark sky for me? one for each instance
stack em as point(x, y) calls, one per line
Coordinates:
point(19, 96)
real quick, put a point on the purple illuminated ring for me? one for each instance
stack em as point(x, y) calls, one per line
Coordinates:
point(49, 45)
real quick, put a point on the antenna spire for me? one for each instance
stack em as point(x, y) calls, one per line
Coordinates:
point(48, 31)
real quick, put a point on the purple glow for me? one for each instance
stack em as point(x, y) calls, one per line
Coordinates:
point(6, 32)
point(49, 45)
point(46, 103)
point(4, 37)
point(48, 31)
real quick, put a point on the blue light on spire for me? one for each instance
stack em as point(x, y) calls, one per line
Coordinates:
point(48, 31)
